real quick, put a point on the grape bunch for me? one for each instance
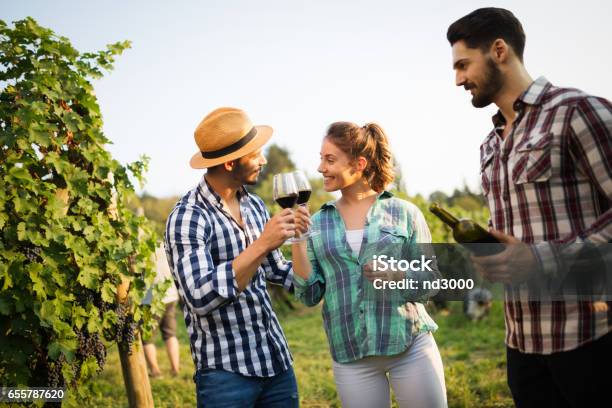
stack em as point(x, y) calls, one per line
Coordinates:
point(91, 345)
point(55, 377)
point(86, 297)
point(126, 326)
point(32, 253)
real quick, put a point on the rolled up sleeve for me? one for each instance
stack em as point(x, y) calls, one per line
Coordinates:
point(278, 270)
point(203, 285)
point(311, 291)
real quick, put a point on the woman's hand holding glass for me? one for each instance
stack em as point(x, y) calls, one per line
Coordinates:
point(302, 220)
point(304, 192)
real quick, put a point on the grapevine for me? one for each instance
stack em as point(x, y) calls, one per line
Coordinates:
point(68, 239)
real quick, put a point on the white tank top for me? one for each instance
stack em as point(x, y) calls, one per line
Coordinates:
point(354, 238)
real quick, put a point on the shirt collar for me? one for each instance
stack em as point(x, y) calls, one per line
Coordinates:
point(381, 196)
point(536, 91)
point(532, 96)
point(209, 194)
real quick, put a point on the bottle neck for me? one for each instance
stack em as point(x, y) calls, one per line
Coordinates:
point(444, 215)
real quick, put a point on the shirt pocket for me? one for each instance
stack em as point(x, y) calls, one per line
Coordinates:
point(392, 242)
point(391, 234)
point(533, 162)
point(486, 172)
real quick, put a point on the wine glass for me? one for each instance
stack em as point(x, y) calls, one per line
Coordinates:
point(304, 192)
point(284, 191)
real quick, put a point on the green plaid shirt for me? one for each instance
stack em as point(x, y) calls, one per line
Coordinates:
point(359, 320)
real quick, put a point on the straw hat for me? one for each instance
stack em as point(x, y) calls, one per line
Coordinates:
point(227, 134)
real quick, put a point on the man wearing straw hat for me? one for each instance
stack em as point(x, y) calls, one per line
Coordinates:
point(222, 247)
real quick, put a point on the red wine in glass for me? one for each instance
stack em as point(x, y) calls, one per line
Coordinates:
point(303, 197)
point(304, 192)
point(287, 201)
point(284, 192)
point(303, 186)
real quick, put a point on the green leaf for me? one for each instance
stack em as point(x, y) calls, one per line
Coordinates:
point(89, 277)
point(68, 373)
point(109, 292)
point(21, 231)
point(79, 316)
point(54, 350)
point(73, 122)
point(89, 368)
point(5, 275)
point(94, 324)
point(39, 287)
point(19, 174)
point(3, 219)
point(63, 346)
point(109, 319)
point(5, 307)
point(90, 233)
point(59, 277)
point(25, 204)
point(63, 329)
point(55, 206)
point(78, 183)
point(40, 137)
point(47, 313)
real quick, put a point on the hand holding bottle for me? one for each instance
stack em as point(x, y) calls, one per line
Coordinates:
point(513, 265)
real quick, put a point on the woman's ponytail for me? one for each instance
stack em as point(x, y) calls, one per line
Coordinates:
point(380, 168)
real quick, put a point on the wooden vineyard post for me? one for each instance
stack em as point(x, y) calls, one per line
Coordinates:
point(133, 365)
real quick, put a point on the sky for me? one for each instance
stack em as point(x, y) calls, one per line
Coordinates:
point(298, 66)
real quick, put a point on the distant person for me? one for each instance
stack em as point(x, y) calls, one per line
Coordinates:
point(167, 323)
point(223, 249)
point(477, 303)
point(378, 338)
point(547, 175)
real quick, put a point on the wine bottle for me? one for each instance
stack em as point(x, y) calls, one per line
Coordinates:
point(469, 233)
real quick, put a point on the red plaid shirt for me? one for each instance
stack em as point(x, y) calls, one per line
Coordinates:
point(550, 180)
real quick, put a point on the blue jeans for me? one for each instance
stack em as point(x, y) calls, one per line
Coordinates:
point(224, 389)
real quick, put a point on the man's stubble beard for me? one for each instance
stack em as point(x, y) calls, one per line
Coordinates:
point(493, 83)
point(242, 175)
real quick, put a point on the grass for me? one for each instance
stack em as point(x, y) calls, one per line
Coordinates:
point(474, 357)
point(473, 354)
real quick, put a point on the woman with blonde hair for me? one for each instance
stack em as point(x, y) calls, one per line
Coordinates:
point(377, 337)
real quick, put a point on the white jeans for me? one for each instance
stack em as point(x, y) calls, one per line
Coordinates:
point(416, 375)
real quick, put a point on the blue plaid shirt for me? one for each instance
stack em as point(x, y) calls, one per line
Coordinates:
point(229, 330)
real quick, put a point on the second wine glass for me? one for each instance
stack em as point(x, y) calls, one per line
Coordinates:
point(304, 192)
point(284, 192)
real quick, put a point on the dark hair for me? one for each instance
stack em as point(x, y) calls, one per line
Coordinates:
point(369, 141)
point(483, 26)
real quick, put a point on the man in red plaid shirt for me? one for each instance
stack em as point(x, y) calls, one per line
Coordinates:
point(546, 172)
